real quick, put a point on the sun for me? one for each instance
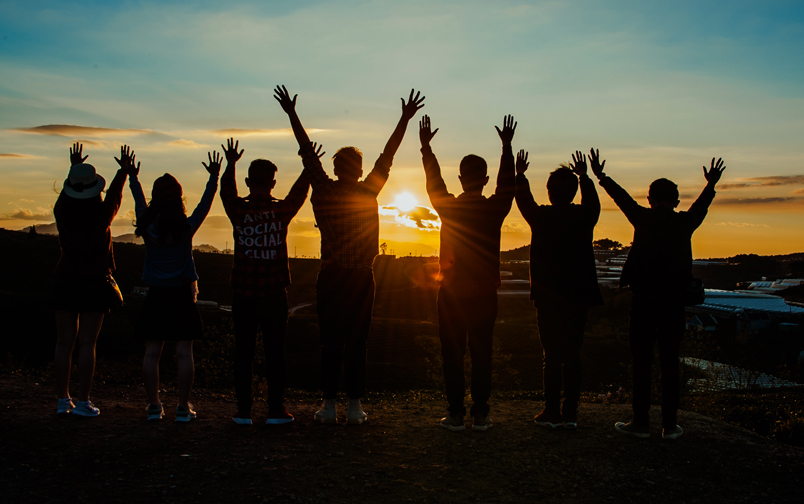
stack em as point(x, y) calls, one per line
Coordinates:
point(405, 202)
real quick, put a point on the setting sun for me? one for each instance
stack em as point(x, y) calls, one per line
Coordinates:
point(405, 202)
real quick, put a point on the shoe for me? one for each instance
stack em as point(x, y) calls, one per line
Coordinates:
point(355, 415)
point(453, 423)
point(630, 429)
point(65, 406)
point(185, 414)
point(326, 415)
point(278, 417)
point(86, 408)
point(242, 418)
point(570, 420)
point(545, 419)
point(672, 433)
point(481, 423)
point(155, 412)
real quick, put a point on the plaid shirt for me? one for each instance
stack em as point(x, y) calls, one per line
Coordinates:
point(346, 214)
point(470, 228)
point(260, 228)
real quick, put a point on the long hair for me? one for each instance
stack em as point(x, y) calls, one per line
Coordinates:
point(166, 211)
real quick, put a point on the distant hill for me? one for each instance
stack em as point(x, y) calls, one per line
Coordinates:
point(128, 238)
point(206, 247)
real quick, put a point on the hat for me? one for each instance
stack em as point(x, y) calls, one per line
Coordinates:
point(83, 182)
point(166, 187)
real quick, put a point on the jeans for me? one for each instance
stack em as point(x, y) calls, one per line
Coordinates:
point(250, 315)
point(561, 328)
point(461, 320)
point(345, 299)
point(655, 320)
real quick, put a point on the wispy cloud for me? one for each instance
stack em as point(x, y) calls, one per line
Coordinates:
point(515, 227)
point(740, 224)
point(769, 181)
point(758, 200)
point(187, 144)
point(72, 130)
point(40, 214)
point(238, 132)
point(12, 155)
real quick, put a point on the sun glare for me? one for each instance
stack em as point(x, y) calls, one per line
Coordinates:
point(405, 202)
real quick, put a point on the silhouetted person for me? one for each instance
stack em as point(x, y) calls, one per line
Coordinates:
point(470, 270)
point(659, 272)
point(260, 275)
point(346, 212)
point(83, 287)
point(169, 312)
point(563, 280)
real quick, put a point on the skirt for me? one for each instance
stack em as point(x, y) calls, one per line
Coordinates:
point(81, 294)
point(170, 314)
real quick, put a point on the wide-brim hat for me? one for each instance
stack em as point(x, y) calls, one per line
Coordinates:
point(83, 182)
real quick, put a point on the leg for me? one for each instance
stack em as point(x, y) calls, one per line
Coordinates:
point(245, 326)
point(89, 327)
point(481, 314)
point(184, 356)
point(550, 336)
point(150, 369)
point(571, 352)
point(66, 334)
point(671, 330)
point(355, 355)
point(642, 335)
point(452, 334)
point(273, 318)
point(330, 306)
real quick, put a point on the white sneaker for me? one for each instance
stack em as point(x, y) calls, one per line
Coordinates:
point(185, 414)
point(86, 408)
point(65, 406)
point(355, 415)
point(327, 415)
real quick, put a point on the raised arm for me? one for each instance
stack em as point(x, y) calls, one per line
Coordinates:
point(140, 205)
point(288, 104)
point(621, 198)
point(506, 177)
point(409, 110)
point(524, 197)
point(589, 199)
point(114, 193)
point(699, 209)
point(228, 179)
point(313, 170)
point(202, 209)
point(436, 188)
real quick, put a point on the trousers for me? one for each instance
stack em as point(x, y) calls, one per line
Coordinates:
point(561, 328)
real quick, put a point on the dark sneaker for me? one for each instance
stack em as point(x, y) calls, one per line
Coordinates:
point(86, 408)
point(278, 417)
point(481, 423)
point(672, 433)
point(570, 420)
point(242, 418)
point(453, 423)
point(629, 429)
point(545, 419)
point(155, 412)
point(185, 414)
point(65, 406)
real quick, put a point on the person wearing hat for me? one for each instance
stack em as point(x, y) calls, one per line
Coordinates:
point(170, 312)
point(83, 288)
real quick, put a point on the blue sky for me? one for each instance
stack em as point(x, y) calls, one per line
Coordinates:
point(659, 87)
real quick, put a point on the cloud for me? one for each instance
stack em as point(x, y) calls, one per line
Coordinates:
point(188, 144)
point(12, 155)
point(419, 217)
point(217, 222)
point(72, 130)
point(238, 132)
point(515, 227)
point(757, 201)
point(740, 224)
point(125, 218)
point(769, 181)
point(40, 214)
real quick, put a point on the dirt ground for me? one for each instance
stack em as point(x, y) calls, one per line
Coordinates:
point(400, 455)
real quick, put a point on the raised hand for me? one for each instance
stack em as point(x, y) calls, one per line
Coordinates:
point(522, 162)
point(214, 166)
point(283, 97)
point(75, 154)
point(425, 134)
point(597, 166)
point(317, 149)
point(230, 151)
point(715, 171)
point(413, 105)
point(126, 160)
point(507, 133)
point(579, 166)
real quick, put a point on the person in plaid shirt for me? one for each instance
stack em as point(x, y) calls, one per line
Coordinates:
point(347, 215)
point(260, 275)
point(470, 270)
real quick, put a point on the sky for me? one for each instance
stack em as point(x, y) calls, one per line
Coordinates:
point(659, 87)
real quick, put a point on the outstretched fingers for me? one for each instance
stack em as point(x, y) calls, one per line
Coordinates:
point(317, 149)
